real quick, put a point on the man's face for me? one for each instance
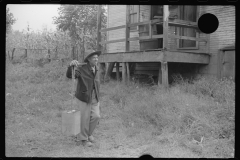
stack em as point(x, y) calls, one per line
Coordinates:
point(93, 60)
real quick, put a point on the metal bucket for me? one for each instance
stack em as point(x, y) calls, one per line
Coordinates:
point(71, 121)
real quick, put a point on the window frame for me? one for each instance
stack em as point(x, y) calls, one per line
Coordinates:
point(179, 30)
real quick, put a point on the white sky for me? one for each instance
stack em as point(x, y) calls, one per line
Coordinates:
point(36, 15)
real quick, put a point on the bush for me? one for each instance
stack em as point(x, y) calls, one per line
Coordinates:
point(221, 90)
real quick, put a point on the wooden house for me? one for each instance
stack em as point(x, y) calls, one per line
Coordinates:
point(161, 40)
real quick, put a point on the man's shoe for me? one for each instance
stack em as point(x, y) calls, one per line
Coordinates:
point(87, 143)
point(91, 139)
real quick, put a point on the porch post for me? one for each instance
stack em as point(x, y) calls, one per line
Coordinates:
point(109, 69)
point(164, 68)
point(128, 72)
point(124, 72)
point(160, 74)
point(165, 26)
point(127, 34)
point(117, 70)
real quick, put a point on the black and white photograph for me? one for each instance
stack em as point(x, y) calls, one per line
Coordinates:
point(118, 81)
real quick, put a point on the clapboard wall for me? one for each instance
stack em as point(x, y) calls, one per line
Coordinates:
point(117, 17)
point(222, 37)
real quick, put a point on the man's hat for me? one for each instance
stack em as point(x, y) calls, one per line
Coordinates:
point(89, 54)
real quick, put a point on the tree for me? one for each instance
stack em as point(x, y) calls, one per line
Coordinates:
point(10, 20)
point(81, 23)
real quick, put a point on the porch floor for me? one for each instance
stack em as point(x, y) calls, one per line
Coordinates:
point(156, 55)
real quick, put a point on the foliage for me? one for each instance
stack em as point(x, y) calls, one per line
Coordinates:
point(81, 22)
point(10, 20)
point(73, 22)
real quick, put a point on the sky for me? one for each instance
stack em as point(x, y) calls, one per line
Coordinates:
point(37, 16)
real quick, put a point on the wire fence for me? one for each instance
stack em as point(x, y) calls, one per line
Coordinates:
point(39, 53)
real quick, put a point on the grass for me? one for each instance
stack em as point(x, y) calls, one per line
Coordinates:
point(174, 117)
point(204, 108)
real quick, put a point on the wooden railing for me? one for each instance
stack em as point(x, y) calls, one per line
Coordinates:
point(176, 22)
point(150, 23)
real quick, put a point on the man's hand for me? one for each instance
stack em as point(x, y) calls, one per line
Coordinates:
point(76, 63)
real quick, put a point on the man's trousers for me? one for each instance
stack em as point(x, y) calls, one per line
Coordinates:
point(90, 116)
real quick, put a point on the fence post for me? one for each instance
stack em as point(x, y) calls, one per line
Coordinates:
point(25, 53)
point(56, 53)
point(73, 57)
point(49, 58)
point(13, 52)
point(9, 56)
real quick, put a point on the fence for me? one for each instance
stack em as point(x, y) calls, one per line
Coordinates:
point(40, 53)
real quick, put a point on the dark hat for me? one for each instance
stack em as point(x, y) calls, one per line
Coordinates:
point(89, 54)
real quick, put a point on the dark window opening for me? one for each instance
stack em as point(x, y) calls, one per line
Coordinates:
point(188, 13)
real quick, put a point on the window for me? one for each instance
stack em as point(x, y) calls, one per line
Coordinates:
point(157, 11)
point(133, 15)
point(188, 13)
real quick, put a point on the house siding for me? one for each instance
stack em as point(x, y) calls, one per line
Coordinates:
point(117, 17)
point(222, 37)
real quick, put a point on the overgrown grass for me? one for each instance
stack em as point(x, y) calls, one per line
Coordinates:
point(35, 97)
point(205, 108)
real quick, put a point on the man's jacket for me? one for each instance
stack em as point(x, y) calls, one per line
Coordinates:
point(86, 81)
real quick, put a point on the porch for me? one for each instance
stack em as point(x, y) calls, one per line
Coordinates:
point(162, 55)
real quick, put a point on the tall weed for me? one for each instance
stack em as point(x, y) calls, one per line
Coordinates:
point(204, 107)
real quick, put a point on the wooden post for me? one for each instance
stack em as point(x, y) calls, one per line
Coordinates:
point(220, 64)
point(99, 37)
point(208, 44)
point(160, 75)
point(124, 72)
point(117, 71)
point(13, 52)
point(77, 52)
point(56, 52)
point(150, 30)
point(9, 57)
point(164, 68)
point(128, 72)
point(49, 59)
point(127, 46)
point(25, 53)
point(99, 26)
point(127, 31)
point(165, 26)
point(109, 70)
point(73, 57)
point(101, 72)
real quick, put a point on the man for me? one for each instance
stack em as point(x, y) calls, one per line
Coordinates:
point(87, 96)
